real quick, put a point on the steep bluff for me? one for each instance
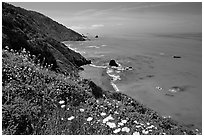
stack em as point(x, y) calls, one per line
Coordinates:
point(41, 36)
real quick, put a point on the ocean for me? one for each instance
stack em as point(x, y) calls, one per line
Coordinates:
point(162, 71)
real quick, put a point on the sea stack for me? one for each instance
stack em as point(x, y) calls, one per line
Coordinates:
point(113, 63)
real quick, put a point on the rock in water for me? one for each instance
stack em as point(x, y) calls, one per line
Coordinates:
point(113, 63)
point(176, 56)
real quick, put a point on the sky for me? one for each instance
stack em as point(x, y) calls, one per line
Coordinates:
point(100, 18)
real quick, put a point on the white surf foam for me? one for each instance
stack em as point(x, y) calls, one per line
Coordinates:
point(109, 70)
point(93, 47)
point(75, 49)
point(115, 77)
point(115, 87)
point(92, 65)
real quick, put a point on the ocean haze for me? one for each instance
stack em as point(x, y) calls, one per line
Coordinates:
point(113, 18)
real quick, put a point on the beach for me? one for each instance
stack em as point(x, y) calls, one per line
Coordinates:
point(164, 74)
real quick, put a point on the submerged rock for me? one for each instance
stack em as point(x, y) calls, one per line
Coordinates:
point(176, 56)
point(113, 63)
point(175, 89)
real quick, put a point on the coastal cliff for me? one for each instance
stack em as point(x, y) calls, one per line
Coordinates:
point(41, 36)
point(39, 101)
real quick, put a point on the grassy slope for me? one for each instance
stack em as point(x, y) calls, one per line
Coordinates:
point(31, 97)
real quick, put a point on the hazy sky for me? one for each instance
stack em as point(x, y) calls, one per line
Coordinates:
point(121, 17)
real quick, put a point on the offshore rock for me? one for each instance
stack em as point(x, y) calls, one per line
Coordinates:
point(113, 63)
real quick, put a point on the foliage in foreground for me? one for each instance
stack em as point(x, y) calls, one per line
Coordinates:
point(31, 92)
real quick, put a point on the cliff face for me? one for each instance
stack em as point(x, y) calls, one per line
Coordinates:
point(40, 35)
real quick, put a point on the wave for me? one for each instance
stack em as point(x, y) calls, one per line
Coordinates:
point(92, 65)
point(115, 77)
point(75, 49)
point(93, 47)
point(104, 45)
point(115, 87)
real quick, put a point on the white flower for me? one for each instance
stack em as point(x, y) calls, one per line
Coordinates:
point(136, 133)
point(103, 114)
point(89, 118)
point(137, 126)
point(107, 119)
point(70, 118)
point(150, 126)
point(120, 124)
point(61, 102)
point(145, 132)
point(125, 129)
point(111, 125)
point(116, 130)
point(135, 122)
point(81, 109)
point(124, 121)
point(62, 106)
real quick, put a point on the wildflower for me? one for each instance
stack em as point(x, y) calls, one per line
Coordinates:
point(108, 118)
point(150, 127)
point(103, 114)
point(120, 124)
point(111, 125)
point(24, 50)
point(61, 102)
point(138, 126)
point(81, 110)
point(136, 133)
point(136, 122)
point(124, 121)
point(70, 118)
point(117, 130)
point(62, 106)
point(7, 47)
point(145, 132)
point(125, 129)
point(89, 118)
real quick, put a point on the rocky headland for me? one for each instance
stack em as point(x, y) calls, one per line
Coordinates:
point(40, 36)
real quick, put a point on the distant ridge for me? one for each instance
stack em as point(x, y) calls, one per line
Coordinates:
point(41, 36)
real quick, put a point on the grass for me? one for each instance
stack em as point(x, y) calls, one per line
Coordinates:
point(30, 93)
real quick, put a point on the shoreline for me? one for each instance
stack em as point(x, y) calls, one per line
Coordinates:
point(100, 75)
